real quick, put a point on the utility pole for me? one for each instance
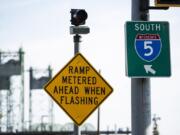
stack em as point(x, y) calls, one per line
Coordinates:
point(140, 87)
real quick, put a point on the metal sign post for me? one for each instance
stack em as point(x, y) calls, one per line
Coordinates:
point(77, 30)
point(140, 87)
point(76, 50)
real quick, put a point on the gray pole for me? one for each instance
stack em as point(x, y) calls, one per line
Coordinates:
point(98, 122)
point(140, 87)
point(76, 43)
point(76, 50)
point(51, 108)
point(30, 99)
point(21, 54)
point(98, 117)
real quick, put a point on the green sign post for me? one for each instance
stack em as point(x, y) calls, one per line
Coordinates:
point(147, 49)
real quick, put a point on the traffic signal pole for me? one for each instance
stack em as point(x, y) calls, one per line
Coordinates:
point(76, 43)
point(140, 87)
point(76, 50)
point(78, 18)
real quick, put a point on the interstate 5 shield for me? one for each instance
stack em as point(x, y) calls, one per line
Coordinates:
point(147, 49)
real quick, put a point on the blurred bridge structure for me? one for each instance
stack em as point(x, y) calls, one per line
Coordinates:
point(13, 96)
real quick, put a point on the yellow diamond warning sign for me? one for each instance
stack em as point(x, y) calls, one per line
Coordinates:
point(78, 89)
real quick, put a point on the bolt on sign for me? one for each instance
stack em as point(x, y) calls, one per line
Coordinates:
point(78, 89)
point(147, 49)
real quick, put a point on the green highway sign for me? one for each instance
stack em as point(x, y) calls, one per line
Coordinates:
point(147, 49)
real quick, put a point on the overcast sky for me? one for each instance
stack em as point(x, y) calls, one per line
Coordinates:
point(41, 28)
